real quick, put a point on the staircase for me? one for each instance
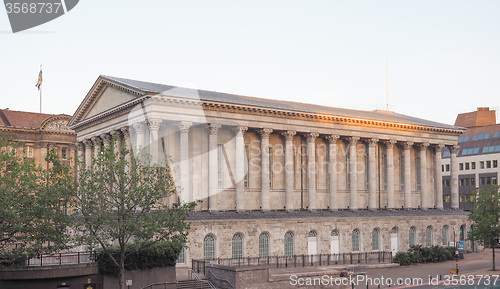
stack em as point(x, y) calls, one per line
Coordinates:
point(192, 284)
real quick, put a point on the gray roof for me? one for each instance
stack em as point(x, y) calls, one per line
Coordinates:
point(148, 87)
point(253, 215)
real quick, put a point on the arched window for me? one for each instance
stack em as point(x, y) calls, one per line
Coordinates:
point(289, 244)
point(355, 240)
point(444, 237)
point(209, 248)
point(412, 236)
point(375, 239)
point(237, 246)
point(462, 233)
point(264, 245)
point(312, 234)
point(335, 233)
point(394, 230)
point(428, 236)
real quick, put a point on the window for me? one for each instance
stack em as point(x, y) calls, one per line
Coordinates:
point(462, 182)
point(444, 237)
point(182, 256)
point(467, 166)
point(461, 166)
point(496, 134)
point(446, 183)
point(64, 153)
point(335, 233)
point(219, 165)
point(237, 246)
point(412, 236)
point(448, 167)
point(209, 248)
point(375, 239)
point(264, 245)
point(481, 164)
point(488, 164)
point(473, 165)
point(289, 244)
point(442, 168)
point(355, 240)
point(29, 151)
point(495, 164)
point(428, 236)
point(402, 171)
point(493, 180)
point(447, 198)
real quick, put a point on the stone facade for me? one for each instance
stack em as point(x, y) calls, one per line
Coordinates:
point(244, 154)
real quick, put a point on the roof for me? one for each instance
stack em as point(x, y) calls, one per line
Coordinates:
point(204, 95)
point(22, 119)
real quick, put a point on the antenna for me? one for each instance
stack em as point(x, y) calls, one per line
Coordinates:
point(387, 79)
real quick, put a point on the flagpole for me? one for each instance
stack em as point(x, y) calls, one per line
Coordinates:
point(41, 92)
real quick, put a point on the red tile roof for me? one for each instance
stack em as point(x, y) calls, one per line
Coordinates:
point(22, 119)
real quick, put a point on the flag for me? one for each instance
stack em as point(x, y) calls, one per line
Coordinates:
point(39, 82)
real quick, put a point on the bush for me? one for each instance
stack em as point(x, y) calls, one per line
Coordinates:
point(161, 254)
point(420, 254)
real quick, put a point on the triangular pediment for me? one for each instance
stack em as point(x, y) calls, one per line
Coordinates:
point(109, 99)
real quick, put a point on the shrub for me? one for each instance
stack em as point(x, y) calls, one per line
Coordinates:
point(420, 254)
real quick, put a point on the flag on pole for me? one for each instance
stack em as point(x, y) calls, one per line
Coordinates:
point(39, 82)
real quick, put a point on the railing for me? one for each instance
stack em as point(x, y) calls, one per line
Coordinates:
point(58, 259)
point(197, 278)
point(299, 260)
point(220, 280)
point(162, 285)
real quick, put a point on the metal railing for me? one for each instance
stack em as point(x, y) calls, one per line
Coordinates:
point(197, 278)
point(159, 285)
point(299, 260)
point(217, 279)
point(58, 259)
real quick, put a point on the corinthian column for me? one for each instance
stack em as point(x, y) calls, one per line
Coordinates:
point(289, 169)
point(154, 127)
point(88, 152)
point(424, 188)
point(240, 166)
point(264, 168)
point(438, 179)
point(332, 171)
point(353, 172)
point(454, 176)
point(311, 170)
point(80, 154)
point(186, 194)
point(139, 128)
point(407, 173)
point(117, 142)
point(372, 174)
point(213, 165)
point(127, 140)
point(390, 173)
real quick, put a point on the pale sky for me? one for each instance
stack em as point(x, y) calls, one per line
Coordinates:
point(444, 56)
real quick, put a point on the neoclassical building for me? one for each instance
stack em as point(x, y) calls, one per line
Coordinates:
point(279, 177)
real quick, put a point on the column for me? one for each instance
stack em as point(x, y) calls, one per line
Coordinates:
point(332, 171)
point(353, 174)
point(154, 127)
point(127, 142)
point(454, 176)
point(106, 139)
point(239, 158)
point(139, 128)
point(289, 169)
point(97, 146)
point(424, 186)
point(80, 147)
point(390, 173)
point(311, 170)
point(407, 173)
point(264, 166)
point(213, 165)
point(117, 144)
point(186, 195)
point(372, 174)
point(438, 176)
point(88, 152)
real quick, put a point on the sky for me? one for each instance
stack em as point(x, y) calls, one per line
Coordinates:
point(443, 56)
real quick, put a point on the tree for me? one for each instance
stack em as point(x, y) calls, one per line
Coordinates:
point(32, 215)
point(485, 214)
point(121, 200)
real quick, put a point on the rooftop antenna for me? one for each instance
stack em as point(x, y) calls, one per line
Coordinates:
point(387, 80)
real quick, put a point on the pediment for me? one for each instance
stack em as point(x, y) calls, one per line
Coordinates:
point(57, 123)
point(107, 100)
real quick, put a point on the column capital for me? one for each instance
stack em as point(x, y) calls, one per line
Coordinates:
point(353, 140)
point(106, 138)
point(265, 132)
point(115, 132)
point(240, 129)
point(372, 141)
point(289, 134)
point(154, 123)
point(332, 138)
point(312, 136)
point(453, 149)
point(438, 147)
point(407, 145)
point(96, 140)
point(390, 143)
point(214, 128)
point(184, 126)
point(139, 127)
point(87, 143)
point(423, 146)
point(125, 131)
point(80, 145)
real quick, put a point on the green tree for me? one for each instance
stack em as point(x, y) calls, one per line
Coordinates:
point(122, 200)
point(485, 214)
point(33, 218)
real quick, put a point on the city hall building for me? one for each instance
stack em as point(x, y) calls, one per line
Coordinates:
point(280, 177)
